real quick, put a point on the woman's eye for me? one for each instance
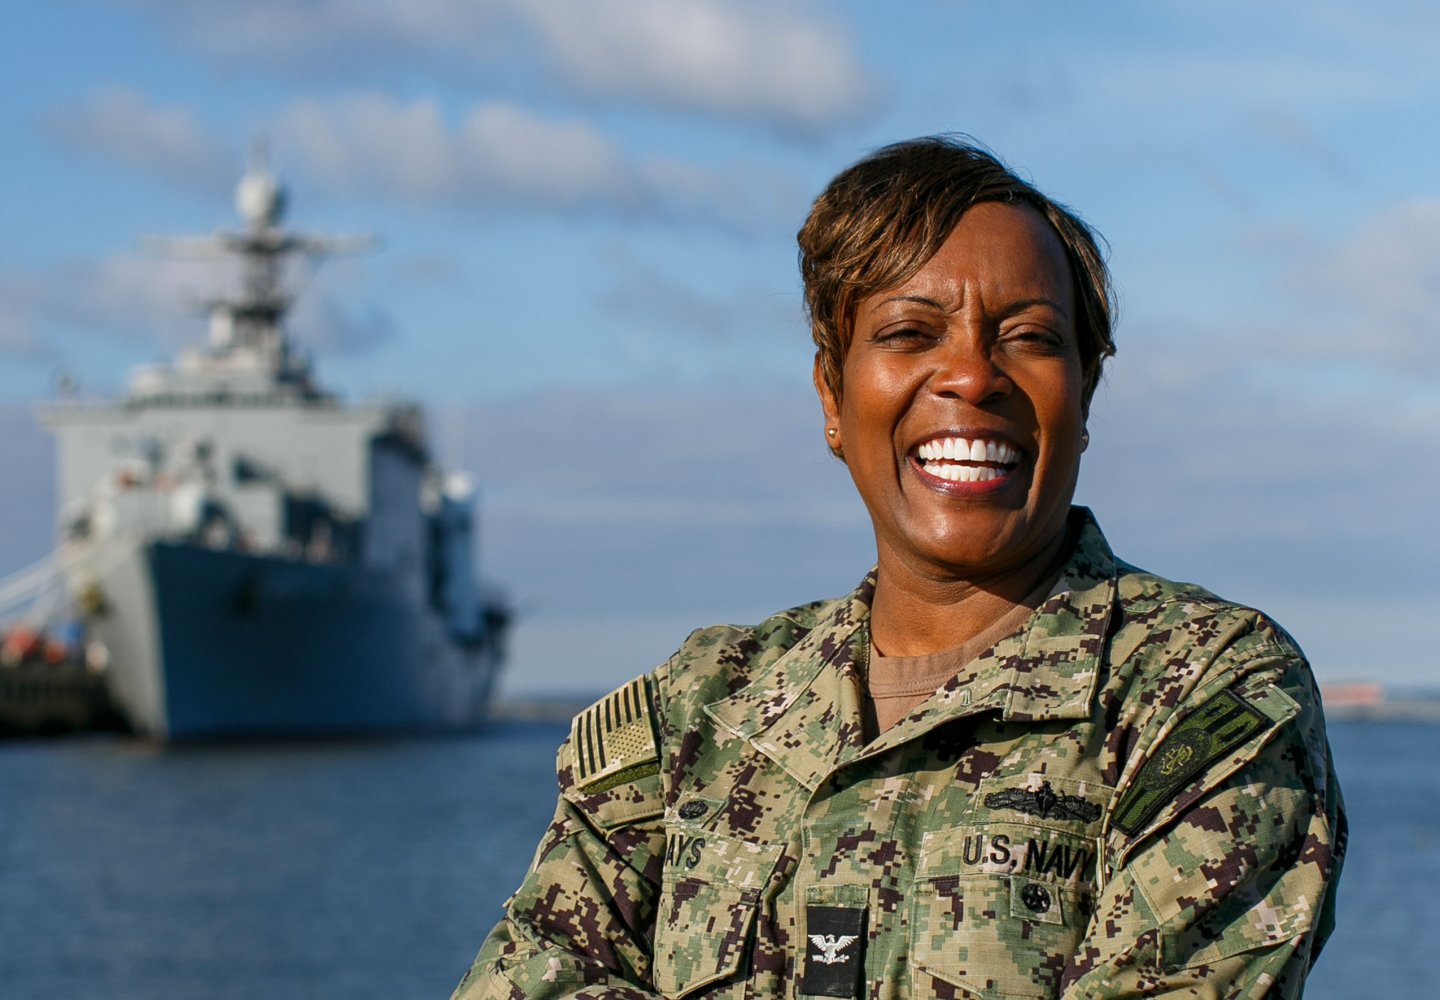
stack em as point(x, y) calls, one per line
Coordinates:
point(1037, 338)
point(901, 336)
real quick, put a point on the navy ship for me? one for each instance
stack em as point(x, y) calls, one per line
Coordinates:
point(244, 554)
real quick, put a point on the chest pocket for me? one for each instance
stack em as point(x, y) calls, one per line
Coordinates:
point(1003, 899)
point(709, 895)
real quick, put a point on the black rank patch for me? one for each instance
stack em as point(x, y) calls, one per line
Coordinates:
point(835, 951)
point(1203, 737)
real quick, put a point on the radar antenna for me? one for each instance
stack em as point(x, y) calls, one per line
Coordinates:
point(249, 326)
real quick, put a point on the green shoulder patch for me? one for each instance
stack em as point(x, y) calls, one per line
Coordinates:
point(613, 741)
point(1206, 734)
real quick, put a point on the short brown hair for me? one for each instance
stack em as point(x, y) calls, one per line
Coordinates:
point(880, 220)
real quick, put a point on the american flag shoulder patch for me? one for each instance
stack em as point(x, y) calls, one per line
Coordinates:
point(613, 741)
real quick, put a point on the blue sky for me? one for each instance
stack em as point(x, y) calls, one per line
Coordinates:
point(587, 272)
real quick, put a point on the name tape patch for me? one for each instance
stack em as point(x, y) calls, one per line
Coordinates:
point(613, 741)
point(1207, 734)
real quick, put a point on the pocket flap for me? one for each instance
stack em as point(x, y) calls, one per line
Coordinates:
point(710, 891)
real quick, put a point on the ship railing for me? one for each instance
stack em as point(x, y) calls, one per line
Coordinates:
point(35, 591)
point(26, 586)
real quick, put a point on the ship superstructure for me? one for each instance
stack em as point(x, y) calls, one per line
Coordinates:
point(254, 556)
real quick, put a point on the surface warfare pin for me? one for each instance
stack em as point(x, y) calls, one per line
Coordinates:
point(835, 951)
point(1044, 802)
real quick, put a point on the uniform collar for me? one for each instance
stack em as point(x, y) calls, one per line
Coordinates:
point(803, 712)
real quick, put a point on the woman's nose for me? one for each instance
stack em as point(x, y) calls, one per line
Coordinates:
point(966, 369)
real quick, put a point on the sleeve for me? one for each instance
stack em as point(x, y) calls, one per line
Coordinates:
point(1236, 837)
point(581, 923)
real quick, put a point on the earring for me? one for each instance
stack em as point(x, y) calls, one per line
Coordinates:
point(1084, 439)
point(831, 432)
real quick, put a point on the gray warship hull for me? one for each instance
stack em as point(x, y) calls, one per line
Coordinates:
point(210, 644)
point(245, 554)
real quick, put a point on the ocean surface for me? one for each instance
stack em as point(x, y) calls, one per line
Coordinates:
point(366, 870)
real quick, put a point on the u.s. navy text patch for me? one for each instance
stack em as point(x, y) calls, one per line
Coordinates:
point(1203, 737)
point(613, 741)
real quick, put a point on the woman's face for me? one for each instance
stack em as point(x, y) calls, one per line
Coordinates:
point(961, 416)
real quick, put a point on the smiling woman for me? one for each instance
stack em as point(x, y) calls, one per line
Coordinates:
point(1008, 764)
point(976, 351)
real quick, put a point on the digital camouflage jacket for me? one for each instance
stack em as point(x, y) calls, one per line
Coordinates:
point(1131, 795)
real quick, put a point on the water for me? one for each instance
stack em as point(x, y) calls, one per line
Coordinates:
point(1389, 916)
point(309, 870)
point(373, 869)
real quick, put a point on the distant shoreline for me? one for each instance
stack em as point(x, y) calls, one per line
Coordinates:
point(540, 708)
point(561, 708)
point(1420, 710)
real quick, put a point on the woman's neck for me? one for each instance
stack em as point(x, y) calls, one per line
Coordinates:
point(916, 613)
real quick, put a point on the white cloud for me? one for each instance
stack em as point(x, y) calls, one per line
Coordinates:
point(17, 323)
point(148, 300)
point(781, 64)
point(1372, 298)
point(501, 154)
point(1361, 305)
point(656, 308)
point(739, 60)
point(1273, 488)
point(599, 501)
point(740, 197)
point(1198, 468)
point(1262, 475)
point(330, 37)
point(635, 516)
point(497, 154)
point(335, 326)
point(374, 144)
point(1293, 133)
point(149, 307)
point(27, 491)
point(122, 125)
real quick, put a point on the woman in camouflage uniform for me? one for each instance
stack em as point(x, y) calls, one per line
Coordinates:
point(1008, 764)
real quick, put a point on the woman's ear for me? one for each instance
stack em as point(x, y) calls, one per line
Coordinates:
point(830, 406)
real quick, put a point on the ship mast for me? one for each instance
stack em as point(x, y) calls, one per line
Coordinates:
point(247, 330)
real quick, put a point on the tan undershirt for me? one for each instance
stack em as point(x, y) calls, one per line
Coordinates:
point(895, 685)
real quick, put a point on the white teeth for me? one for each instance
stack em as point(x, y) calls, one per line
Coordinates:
point(965, 473)
point(959, 449)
